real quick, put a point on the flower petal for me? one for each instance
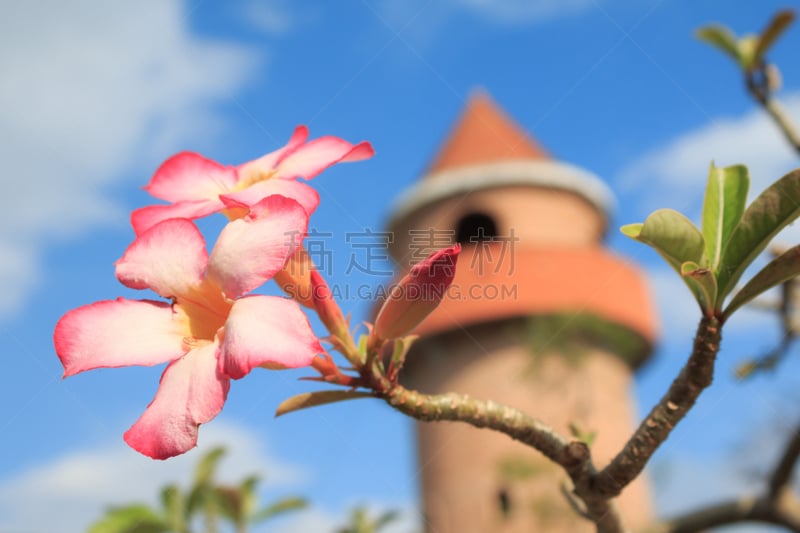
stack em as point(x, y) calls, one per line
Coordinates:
point(169, 258)
point(250, 250)
point(315, 156)
point(191, 392)
point(146, 217)
point(120, 332)
point(264, 164)
point(269, 331)
point(188, 176)
point(303, 194)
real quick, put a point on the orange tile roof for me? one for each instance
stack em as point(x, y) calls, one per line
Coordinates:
point(547, 280)
point(485, 134)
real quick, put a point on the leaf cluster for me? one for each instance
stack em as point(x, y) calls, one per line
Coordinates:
point(205, 500)
point(748, 51)
point(711, 260)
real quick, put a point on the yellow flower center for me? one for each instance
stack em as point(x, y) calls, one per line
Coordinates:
point(252, 174)
point(249, 175)
point(205, 310)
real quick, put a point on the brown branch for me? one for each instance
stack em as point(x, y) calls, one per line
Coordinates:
point(760, 84)
point(783, 121)
point(782, 472)
point(693, 379)
point(573, 456)
point(762, 510)
point(481, 414)
point(776, 507)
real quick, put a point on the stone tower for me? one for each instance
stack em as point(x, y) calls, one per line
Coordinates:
point(540, 316)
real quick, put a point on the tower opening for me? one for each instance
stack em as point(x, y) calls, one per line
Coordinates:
point(476, 227)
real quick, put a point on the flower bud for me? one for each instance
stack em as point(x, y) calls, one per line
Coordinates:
point(417, 294)
point(327, 309)
point(295, 277)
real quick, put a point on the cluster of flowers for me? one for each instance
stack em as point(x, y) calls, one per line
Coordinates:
point(211, 329)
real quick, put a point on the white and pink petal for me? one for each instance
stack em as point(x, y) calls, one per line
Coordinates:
point(267, 331)
point(266, 163)
point(303, 194)
point(191, 392)
point(170, 258)
point(120, 332)
point(188, 176)
point(317, 155)
point(250, 250)
point(144, 218)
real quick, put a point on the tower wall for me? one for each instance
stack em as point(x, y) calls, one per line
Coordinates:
point(535, 216)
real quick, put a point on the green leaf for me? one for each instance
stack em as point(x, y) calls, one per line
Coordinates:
point(172, 501)
point(201, 491)
point(672, 235)
point(776, 26)
point(248, 484)
point(676, 239)
point(130, 519)
point(247, 492)
point(385, 519)
point(521, 468)
point(279, 507)
point(312, 399)
point(587, 437)
point(781, 269)
point(229, 502)
point(722, 38)
point(204, 473)
point(703, 283)
point(773, 210)
point(746, 369)
point(724, 203)
point(401, 347)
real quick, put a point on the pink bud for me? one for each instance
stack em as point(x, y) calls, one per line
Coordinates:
point(417, 294)
point(327, 309)
point(295, 277)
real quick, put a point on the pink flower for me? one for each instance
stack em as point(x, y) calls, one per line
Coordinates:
point(196, 186)
point(208, 333)
point(417, 294)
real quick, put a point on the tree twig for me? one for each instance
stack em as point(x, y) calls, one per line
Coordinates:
point(759, 84)
point(481, 414)
point(693, 379)
point(776, 506)
point(735, 511)
point(782, 472)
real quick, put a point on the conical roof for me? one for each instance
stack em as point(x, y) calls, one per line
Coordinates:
point(487, 149)
point(485, 134)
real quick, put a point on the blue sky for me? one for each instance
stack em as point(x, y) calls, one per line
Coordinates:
point(95, 95)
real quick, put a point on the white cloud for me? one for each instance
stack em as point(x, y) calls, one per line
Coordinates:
point(674, 175)
point(74, 489)
point(89, 89)
point(18, 270)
